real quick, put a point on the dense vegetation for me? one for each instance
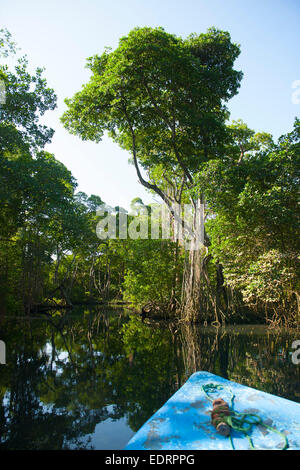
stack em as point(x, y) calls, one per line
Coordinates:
point(163, 99)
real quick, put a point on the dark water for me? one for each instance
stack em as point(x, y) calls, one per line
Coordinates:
point(90, 379)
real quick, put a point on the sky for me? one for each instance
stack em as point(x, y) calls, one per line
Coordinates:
point(60, 34)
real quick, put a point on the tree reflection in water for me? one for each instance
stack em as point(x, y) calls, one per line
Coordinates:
point(67, 374)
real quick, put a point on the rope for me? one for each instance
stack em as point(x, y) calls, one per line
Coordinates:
point(241, 422)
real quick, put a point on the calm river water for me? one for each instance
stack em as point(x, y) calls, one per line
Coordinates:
point(91, 378)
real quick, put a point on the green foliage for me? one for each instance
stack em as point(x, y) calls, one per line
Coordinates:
point(254, 224)
point(163, 98)
point(7, 45)
point(27, 97)
point(42, 221)
point(153, 273)
point(160, 97)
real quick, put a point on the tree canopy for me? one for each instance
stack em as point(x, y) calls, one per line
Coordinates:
point(162, 98)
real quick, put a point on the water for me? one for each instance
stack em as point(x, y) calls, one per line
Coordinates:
point(90, 379)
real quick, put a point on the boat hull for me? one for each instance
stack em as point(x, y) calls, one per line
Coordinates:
point(184, 423)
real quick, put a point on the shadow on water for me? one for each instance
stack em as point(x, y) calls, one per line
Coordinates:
point(90, 379)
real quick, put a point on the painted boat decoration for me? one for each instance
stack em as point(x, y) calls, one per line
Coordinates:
point(259, 420)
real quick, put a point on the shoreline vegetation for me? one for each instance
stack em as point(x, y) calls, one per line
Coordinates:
point(164, 100)
point(156, 315)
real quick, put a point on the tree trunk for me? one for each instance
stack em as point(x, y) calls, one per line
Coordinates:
point(198, 302)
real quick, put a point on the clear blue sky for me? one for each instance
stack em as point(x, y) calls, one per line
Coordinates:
point(60, 34)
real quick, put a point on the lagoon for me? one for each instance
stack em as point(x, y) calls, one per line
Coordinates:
point(90, 378)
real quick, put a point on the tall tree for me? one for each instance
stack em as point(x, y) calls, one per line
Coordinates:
point(162, 98)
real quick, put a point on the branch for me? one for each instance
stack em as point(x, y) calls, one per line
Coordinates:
point(172, 128)
point(145, 183)
point(148, 185)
